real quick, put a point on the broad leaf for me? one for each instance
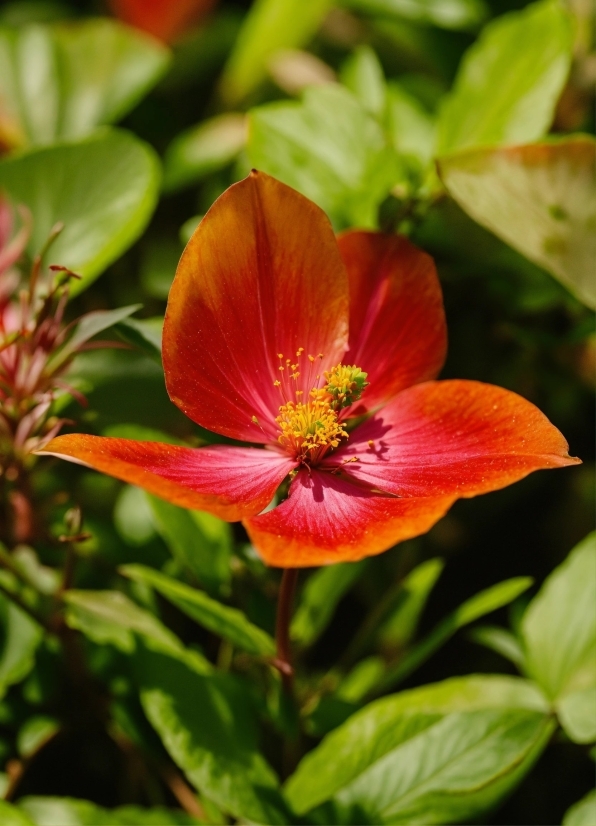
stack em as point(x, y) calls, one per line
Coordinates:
point(200, 541)
point(559, 626)
point(540, 199)
point(68, 811)
point(319, 598)
point(11, 816)
point(103, 189)
point(206, 725)
point(211, 614)
point(61, 82)
point(144, 334)
point(329, 148)
point(269, 26)
point(577, 715)
point(91, 325)
point(22, 635)
point(383, 726)
point(133, 517)
point(410, 126)
point(205, 148)
point(483, 603)
point(582, 813)
point(363, 75)
point(510, 80)
point(448, 14)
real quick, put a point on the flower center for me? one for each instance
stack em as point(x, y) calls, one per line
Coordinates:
point(309, 428)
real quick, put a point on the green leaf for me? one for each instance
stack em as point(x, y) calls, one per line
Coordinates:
point(320, 597)
point(67, 811)
point(447, 14)
point(363, 75)
point(483, 603)
point(11, 816)
point(269, 26)
point(383, 726)
point(329, 148)
point(227, 622)
point(361, 679)
point(501, 641)
point(577, 715)
point(582, 813)
point(410, 126)
point(559, 626)
point(90, 325)
point(111, 617)
point(540, 199)
point(509, 81)
point(411, 598)
point(22, 636)
point(144, 334)
point(35, 733)
point(200, 541)
point(61, 82)
point(133, 517)
point(103, 189)
point(206, 148)
point(207, 727)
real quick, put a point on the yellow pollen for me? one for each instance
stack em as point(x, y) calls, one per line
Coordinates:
point(309, 429)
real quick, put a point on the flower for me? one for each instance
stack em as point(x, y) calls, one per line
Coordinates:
point(324, 352)
point(164, 19)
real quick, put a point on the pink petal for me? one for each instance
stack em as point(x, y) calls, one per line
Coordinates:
point(328, 519)
point(397, 322)
point(230, 482)
point(457, 438)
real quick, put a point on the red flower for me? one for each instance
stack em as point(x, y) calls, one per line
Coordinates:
point(164, 19)
point(277, 334)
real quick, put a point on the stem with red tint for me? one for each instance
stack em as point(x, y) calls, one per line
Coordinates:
point(283, 659)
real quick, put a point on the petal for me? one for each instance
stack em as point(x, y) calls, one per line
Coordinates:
point(230, 482)
point(398, 333)
point(260, 276)
point(456, 438)
point(165, 19)
point(328, 519)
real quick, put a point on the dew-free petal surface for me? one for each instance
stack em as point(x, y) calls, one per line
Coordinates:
point(164, 19)
point(455, 437)
point(398, 333)
point(230, 482)
point(261, 275)
point(327, 519)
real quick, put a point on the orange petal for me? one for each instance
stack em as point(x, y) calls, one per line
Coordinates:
point(398, 333)
point(328, 519)
point(454, 438)
point(230, 482)
point(164, 19)
point(261, 275)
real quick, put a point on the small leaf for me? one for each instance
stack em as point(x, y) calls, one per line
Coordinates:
point(582, 813)
point(577, 715)
point(410, 600)
point(448, 14)
point(559, 626)
point(90, 325)
point(540, 199)
point(320, 597)
point(363, 75)
point(509, 81)
point(133, 517)
point(269, 26)
point(227, 622)
point(206, 148)
point(35, 733)
point(22, 636)
point(499, 640)
point(67, 811)
point(207, 727)
point(103, 189)
point(144, 334)
point(411, 127)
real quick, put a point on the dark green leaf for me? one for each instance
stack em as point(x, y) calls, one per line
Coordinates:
point(144, 334)
point(410, 599)
point(35, 733)
point(22, 636)
point(448, 14)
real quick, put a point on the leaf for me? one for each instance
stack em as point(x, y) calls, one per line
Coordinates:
point(509, 81)
point(144, 334)
point(199, 540)
point(330, 149)
point(559, 626)
point(22, 636)
point(67, 811)
point(269, 26)
point(11, 816)
point(206, 725)
point(103, 189)
point(61, 82)
point(111, 617)
point(483, 603)
point(205, 148)
point(363, 75)
point(133, 517)
point(582, 813)
point(447, 14)
point(577, 715)
point(381, 727)
point(211, 614)
point(411, 128)
point(361, 679)
point(540, 199)
point(90, 325)
point(501, 641)
point(320, 597)
point(35, 733)
point(412, 596)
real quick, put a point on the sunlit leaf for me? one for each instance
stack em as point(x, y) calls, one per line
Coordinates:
point(35, 733)
point(103, 189)
point(540, 198)
point(559, 626)
point(11, 816)
point(67, 811)
point(410, 600)
point(577, 715)
point(582, 813)
point(144, 334)
point(510, 80)
point(133, 517)
point(501, 641)
point(222, 620)
point(363, 75)
point(448, 14)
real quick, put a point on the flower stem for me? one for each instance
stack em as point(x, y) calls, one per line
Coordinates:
point(283, 659)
